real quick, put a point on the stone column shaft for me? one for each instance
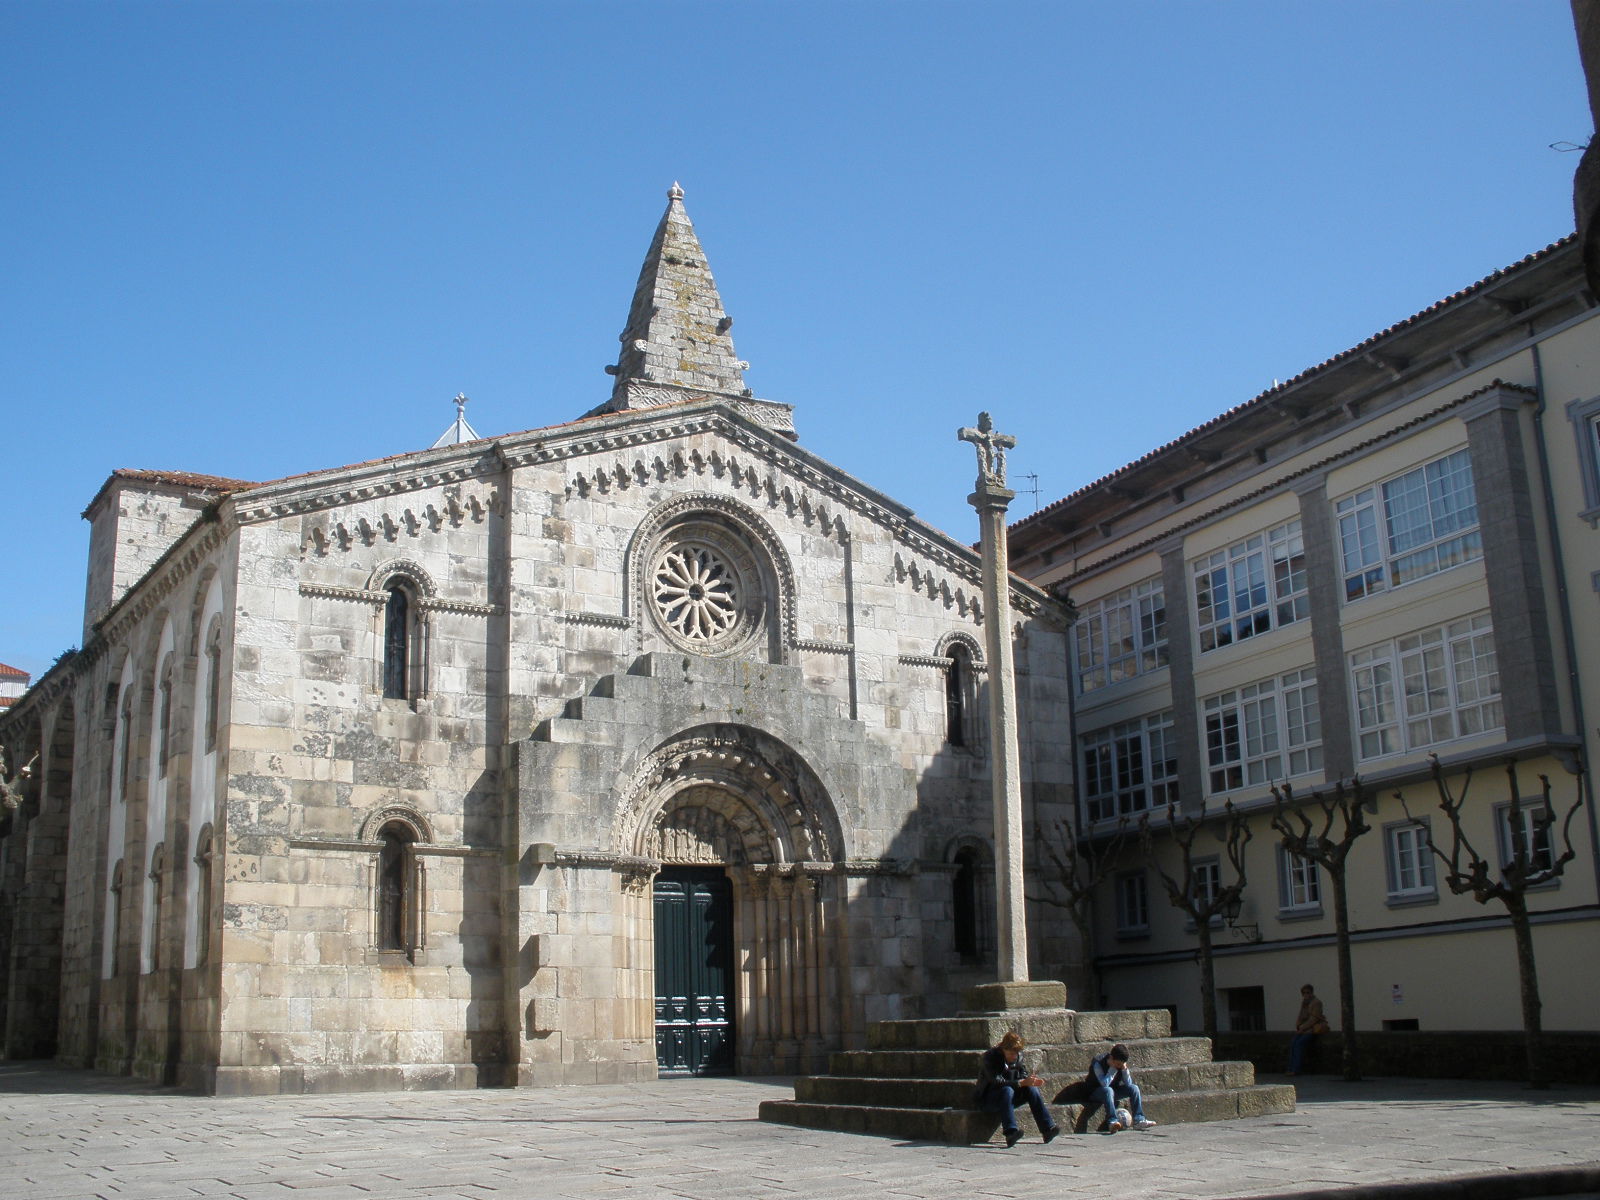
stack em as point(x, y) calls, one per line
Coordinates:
point(991, 501)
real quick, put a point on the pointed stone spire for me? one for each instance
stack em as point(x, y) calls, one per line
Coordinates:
point(459, 430)
point(676, 343)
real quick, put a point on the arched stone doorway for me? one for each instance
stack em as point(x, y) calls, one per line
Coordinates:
point(729, 802)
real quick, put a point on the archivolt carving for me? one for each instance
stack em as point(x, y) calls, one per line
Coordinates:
point(374, 822)
point(729, 791)
point(957, 638)
point(406, 569)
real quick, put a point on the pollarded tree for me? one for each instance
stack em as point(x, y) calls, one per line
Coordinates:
point(1078, 867)
point(1529, 830)
point(1198, 890)
point(1326, 842)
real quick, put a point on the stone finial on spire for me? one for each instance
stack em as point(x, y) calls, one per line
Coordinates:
point(676, 344)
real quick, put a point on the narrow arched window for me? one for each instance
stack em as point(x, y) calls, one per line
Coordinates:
point(396, 889)
point(202, 923)
point(957, 683)
point(965, 906)
point(164, 718)
point(396, 643)
point(213, 681)
point(114, 924)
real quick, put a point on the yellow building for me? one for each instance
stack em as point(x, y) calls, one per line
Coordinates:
point(1391, 556)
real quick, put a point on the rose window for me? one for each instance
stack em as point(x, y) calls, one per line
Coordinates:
point(697, 593)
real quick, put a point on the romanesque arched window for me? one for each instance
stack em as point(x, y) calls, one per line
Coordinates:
point(399, 889)
point(164, 715)
point(971, 885)
point(203, 860)
point(151, 937)
point(397, 643)
point(961, 723)
point(113, 931)
point(955, 697)
point(213, 690)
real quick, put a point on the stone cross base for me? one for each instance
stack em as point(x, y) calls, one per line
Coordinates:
point(1008, 997)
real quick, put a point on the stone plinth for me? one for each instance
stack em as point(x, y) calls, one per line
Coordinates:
point(1013, 995)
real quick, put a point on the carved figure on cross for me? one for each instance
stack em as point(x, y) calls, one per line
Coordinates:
point(991, 447)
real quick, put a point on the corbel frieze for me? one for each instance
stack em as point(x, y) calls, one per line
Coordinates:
point(391, 526)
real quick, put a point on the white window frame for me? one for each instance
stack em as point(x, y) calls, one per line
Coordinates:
point(1379, 550)
point(1408, 862)
point(1132, 904)
point(1121, 636)
point(1543, 855)
point(1427, 688)
point(1585, 415)
point(1251, 587)
point(1299, 885)
point(1129, 768)
point(1263, 732)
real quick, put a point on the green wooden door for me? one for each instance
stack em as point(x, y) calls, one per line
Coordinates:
point(694, 972)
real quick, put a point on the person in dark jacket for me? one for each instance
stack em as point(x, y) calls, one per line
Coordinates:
point(1003, 1080)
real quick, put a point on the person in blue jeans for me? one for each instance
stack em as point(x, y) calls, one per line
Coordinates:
point(1111, 1080)
point(1003, 1080)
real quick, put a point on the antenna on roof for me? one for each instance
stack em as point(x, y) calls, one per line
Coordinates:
point(1034, 490)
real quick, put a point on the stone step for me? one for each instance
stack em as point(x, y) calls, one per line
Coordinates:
point(964, 1125)
point(1038, 1026)
point(901, 1092)
point(1071, 1059)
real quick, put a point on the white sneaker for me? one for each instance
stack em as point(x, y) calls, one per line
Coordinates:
point(1144, 1124)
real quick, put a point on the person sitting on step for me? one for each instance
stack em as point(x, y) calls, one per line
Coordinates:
point(1111, 1080)
point(1003, 1080)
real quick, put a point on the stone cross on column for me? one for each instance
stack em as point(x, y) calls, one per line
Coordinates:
point(991, 497)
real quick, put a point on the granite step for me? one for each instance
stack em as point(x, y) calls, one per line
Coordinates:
point(911, 1092)
point(1037, 1027)
point(964, 1125)
point(1070, 1058)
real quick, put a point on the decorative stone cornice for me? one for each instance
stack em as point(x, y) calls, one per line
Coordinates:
point(824, 647)
point(606, 620)
point(329, 591)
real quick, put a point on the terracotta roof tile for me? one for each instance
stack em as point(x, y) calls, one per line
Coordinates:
point(10, 672)
point(1279, 388)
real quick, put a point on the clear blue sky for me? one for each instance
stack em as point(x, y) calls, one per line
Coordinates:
point(256, 239)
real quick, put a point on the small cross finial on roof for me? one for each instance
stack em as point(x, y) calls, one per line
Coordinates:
point(459, 430)
point(674, 192)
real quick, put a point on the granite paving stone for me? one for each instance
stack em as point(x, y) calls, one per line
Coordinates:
point(73, 1134)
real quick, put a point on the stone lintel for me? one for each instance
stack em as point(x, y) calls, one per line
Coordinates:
point(1013, 995)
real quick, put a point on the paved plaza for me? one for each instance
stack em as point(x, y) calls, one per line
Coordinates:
point(82, 1134)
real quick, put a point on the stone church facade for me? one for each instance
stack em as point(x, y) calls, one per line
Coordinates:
point(648, 742)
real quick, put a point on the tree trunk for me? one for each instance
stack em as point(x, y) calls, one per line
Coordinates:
point(1528, 975)
point(1350, 1059)
point(1208, 980)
